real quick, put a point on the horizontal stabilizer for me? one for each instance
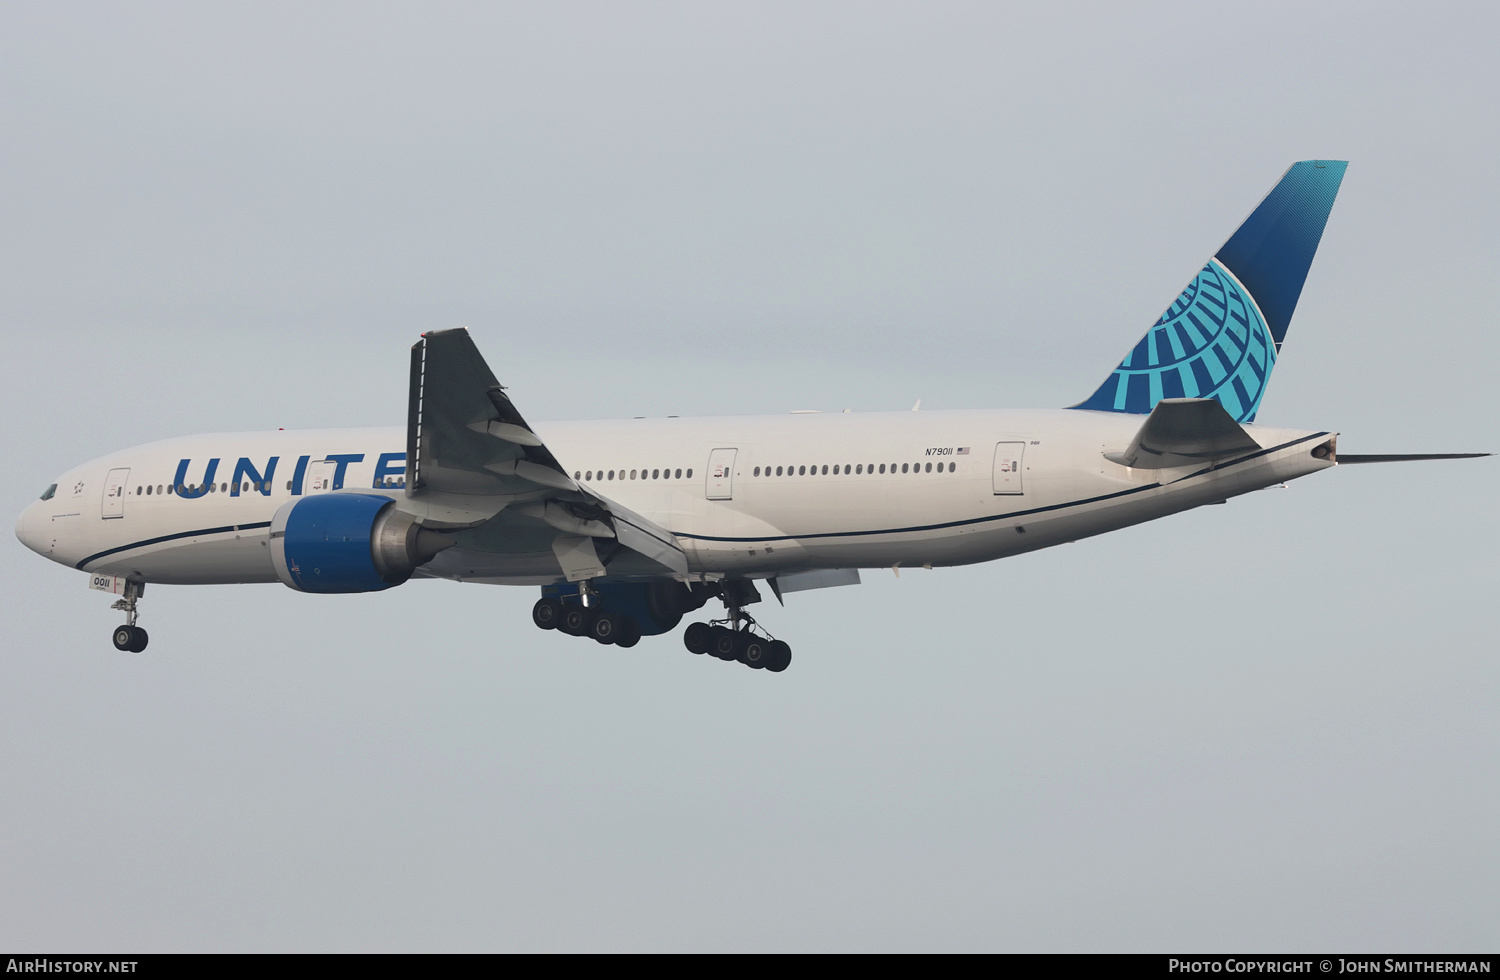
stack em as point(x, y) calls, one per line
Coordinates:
point(1406, 457)
point(1185, 431)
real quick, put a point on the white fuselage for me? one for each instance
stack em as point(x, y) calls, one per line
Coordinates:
point(854, 491)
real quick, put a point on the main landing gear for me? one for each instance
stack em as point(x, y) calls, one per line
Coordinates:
point(130, 638)
point(574, 619)
point(738, 636)
point(743, 644)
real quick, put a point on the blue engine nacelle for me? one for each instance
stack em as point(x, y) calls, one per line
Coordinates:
point(348, 542)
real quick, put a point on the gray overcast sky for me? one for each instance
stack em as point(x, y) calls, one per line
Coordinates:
point(1266, 726)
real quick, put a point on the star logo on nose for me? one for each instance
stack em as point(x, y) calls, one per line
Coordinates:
point(78, 488)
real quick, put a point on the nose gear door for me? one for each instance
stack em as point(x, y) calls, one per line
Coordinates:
point(114, 493)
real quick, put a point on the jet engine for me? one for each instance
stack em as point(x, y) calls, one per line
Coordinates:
point(349, 542)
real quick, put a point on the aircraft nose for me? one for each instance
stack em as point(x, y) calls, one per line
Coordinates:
point(26, 529)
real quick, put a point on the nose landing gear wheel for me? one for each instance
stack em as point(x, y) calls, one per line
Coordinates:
point(130, 639)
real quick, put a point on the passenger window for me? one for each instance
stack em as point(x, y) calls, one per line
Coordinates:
point(903, 467)
point(952, 467)
point(825, 469)
point(882, 467)
point(929, 468)
point(656, 474)
point(679, 474)
point(689, 474)
point(858, 470)
point(577, 475)
point(611, 474)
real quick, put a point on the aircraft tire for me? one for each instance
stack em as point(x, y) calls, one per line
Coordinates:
point(546, 613)
point(605, 628)
point(575, 620)
point(754, 651)
point(697, 637)
point(630, 633)
point(778, 656)
point(124, 637)
point(138, 645)
point(722, 643)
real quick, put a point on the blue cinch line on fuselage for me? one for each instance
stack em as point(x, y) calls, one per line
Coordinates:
point(1006, 516)
point(173, 537)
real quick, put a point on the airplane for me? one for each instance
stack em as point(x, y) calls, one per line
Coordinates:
point(628, 526)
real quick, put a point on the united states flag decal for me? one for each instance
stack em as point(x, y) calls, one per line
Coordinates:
point(962, 451)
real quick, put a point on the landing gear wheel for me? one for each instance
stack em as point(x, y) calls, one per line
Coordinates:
point(778, 656)
point(605, 628)
point(754, 652)
point(547, 612)
point(575, 619)
point(697, 637)
point(630, 633)
point(124, 638)
point(138, 645)
point(723, 643)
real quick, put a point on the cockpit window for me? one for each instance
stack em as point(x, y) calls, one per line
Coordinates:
point(47, 493)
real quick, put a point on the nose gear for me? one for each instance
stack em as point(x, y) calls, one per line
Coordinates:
point(130, 638)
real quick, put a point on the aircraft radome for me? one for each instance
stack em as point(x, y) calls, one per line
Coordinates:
point(628, 526)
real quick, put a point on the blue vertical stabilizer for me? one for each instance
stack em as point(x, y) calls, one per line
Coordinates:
point(1220, 338)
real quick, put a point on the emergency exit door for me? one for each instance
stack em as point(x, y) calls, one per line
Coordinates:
point(1009, 457)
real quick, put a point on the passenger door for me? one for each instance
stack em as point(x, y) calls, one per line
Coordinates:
point(1007, 472)
point(320, 475)
point(720, 474)
point(114, 493)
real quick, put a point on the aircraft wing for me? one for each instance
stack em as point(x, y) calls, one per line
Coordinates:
point(465, 438)
point(1185, 431)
